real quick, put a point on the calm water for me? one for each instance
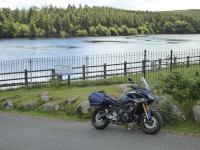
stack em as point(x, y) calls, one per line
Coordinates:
point(12, 49)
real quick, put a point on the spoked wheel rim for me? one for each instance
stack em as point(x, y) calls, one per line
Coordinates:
point(153, 125)
point(97, 120)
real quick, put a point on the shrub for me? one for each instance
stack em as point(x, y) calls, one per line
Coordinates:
point(123, 30)
point(113, 31)
point(183, 87)
point(165, 109)
point(92, 31)
point(143, 30)
point(82, 32)
point(132, 31)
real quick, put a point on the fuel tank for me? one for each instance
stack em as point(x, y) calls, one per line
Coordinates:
point(132, 95)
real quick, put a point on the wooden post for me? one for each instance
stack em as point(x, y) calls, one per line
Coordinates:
point(171, 60)
point(68, 80)
point(160, 63)
point(143, 67)
point(83, 72)
point(174, 61)
point(58, 80)
point(53, 74)
point(104, 68)
point(188, 61)
point(199, 60)
point(26, 77)
point(125, 68)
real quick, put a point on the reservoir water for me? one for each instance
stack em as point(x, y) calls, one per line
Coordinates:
point(14, 49)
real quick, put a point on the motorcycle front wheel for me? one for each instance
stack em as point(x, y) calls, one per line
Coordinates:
point(153, 126)
point(96, 122)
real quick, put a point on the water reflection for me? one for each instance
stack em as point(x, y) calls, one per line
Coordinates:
point(58, 47)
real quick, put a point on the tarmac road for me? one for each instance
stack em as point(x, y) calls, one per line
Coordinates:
point(18, 132)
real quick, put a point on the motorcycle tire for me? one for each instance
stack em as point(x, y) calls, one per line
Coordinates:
point(155, 127)
point(99, 123)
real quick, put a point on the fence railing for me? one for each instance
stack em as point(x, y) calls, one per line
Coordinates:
point(97, 69)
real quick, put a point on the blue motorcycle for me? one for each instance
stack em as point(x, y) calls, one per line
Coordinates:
point(128, 110)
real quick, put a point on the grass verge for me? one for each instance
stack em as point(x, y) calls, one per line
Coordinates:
point(66, 112)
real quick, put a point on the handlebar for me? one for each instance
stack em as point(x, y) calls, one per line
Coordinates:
point(100, 91)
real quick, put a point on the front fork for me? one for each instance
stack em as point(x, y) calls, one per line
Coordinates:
point(146, 111)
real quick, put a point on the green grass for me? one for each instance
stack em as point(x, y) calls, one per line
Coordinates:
point(60, 95)
point(188, 127)
point(190, 12)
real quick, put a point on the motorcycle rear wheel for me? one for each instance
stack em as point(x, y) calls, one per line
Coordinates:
point(155, 126)
point(99, 123)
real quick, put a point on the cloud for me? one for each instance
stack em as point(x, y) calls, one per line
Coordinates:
point(161, 5)
point(154, 5)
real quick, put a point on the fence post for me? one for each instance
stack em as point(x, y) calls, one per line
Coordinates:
point(171, 60)
point(26, 77)
point(104, 66)
point(144, 64)
point(125, 68)
point(199, 59)
point(58, 80)
point(188, 61)
point(83, 72)
point(68, 80)
point(53, 74)
point(31, 73)
point(160, 63)
point(174, 61)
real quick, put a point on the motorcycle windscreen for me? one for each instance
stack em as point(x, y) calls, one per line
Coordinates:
point(145, 83)
point(95, 99)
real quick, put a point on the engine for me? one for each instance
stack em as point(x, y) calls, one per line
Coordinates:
point(123, 114)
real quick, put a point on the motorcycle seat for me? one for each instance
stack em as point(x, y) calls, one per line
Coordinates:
point(111, 98)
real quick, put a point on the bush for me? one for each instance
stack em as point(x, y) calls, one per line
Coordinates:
point(165, 109)
point(103, 31)
point(143, 30)
point(113, 31)
point(82, 32)
point(123, 30)
point(184, 88)
point(132, 31)
point(63, 34)
point(92, 31)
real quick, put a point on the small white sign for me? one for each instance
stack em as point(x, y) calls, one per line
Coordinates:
point(63, 70)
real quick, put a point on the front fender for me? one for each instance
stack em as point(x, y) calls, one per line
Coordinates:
point(142, 115)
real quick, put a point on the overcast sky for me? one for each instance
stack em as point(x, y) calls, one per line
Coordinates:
point(152, 5)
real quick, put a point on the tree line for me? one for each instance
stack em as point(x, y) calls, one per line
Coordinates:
point(50, 21)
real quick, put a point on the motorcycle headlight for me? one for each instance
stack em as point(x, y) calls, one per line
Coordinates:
point(150, 96)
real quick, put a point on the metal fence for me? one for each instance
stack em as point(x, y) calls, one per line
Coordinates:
point(97, 69)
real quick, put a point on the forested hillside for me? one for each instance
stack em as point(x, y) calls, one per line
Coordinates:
point(51, 21)
point(190, 12)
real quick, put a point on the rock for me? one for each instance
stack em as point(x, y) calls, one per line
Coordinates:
point(167, 108)
point(29, 105)
point(178, 113)
point(71, 100)
point(123, 88)
point(43, 93)
point(83, 108)
point(158, 100)
point(196, 111)
point(7, 104)
point(45, 98)
point(50, 106)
